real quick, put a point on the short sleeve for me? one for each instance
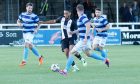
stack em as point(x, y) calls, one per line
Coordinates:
point(84, 20)
point(105, 22)
point(20, 17)
point(73, 26)
point(36, 19)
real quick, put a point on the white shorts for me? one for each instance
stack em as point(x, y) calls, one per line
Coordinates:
point(28, 37)
point(100, 41)
point(79, 47)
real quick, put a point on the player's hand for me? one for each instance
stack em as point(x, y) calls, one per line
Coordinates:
point(85, 41)
point(20, 25)
point(92, 37)
point(70, 32)
point(35, 31)
point(99, 30)
point(40, 22)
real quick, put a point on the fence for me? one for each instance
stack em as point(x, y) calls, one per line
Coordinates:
point(50, 26)
point(125, 33)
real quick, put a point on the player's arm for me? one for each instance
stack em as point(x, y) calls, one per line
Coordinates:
point(88, 25)
point(92, 23)
point(48, 22)
point(92, 26)
point(93, 31)
point(106, 28)
point(19, 23)
point(74, 27)
point(74, 32)
point(37, 28)
point(58, 20)
point(37, 24)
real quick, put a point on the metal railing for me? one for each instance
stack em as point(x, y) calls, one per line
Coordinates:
point(126, 26)
point(15, 26)
point(122, 26)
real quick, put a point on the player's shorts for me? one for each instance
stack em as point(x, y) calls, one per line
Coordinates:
point(28, 37)
point(100, 41)
point(79, 47)
point(65, 43)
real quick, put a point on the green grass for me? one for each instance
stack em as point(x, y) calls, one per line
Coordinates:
point(124, 69)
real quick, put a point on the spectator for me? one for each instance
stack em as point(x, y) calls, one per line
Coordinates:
point(88, 7)
point(130, 15)
point(123, 11)
point(67, 4)
point(92, 18)
point(94, 7)
point(135, 11)
point(75, 3)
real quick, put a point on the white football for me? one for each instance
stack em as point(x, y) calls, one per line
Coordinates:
point(55, 67)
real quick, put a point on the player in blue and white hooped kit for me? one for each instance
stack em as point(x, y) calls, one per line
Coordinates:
point(29, 22)
point(100, 26)
point(84, 44)
point(68, 37)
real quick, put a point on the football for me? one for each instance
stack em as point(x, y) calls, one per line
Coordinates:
point(55, 67)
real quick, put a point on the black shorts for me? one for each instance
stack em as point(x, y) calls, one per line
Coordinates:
point(65, 43)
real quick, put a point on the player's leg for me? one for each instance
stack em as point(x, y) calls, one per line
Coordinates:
point(75, 49)
point(71, 45)
point(86, 49)
point(68, 64)
point(96, 46)
point(26, 49)
point(65, 49)
point(103, 52)
point(76, 54)
point(98, 57)
point(101, 46)
point(81, 59)
point(36, 53)
point(34, 49)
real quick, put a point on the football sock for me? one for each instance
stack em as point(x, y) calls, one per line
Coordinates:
point(69, 62)
point(35, 51)
point(104, 53)
point(25, 54)
point(96, 56)
point(78, 56)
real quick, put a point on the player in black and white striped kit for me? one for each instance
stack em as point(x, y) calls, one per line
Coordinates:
point(68, 37)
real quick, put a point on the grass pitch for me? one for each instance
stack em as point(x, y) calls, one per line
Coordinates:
point(124, 68)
